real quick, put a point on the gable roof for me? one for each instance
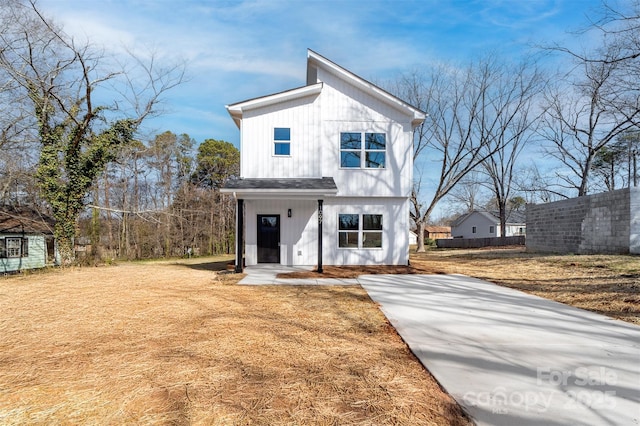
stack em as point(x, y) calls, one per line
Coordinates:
point(315, 60)
point(236, 110)
point(314, 87)
point(17, 220)
point(513, 217)
point(437, 229)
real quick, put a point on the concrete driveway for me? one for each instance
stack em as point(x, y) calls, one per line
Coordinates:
point(510, 358)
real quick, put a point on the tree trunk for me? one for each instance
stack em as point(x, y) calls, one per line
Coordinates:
point(503, 219)
point(65, 248)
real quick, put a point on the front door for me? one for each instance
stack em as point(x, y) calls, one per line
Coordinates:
point(268, 238)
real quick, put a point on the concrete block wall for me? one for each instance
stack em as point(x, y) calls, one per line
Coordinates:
point(634, 223)
point(599, 223)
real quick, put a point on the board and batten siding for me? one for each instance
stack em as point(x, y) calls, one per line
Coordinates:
point(257, 144)
point(298, 233)
point(395, 231)
point(37, 254)
point(346, 108)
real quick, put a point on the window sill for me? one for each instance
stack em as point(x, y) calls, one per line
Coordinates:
point(362, 168)
point(359, 248)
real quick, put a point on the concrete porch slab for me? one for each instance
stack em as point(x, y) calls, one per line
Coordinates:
point(266, 274)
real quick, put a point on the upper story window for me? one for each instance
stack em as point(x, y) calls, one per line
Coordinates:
point(282, 141)
point(363, 150)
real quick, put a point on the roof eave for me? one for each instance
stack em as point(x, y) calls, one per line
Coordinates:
point(418, 116)
point(236, 110)
point(262, 193)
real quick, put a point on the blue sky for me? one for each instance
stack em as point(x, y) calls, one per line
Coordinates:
point(237, 50)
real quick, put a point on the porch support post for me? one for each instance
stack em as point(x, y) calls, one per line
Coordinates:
point(320, 236)
point(239, 235)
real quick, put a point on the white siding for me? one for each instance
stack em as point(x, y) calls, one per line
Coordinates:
point(482, 224)
point(513, 230)
point(298, 233)
point(395, 233)
point(257, 158)
point(316, 123)
point(345, 108)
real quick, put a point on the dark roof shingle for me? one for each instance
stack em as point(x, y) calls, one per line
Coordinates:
point(325, 183)
point(24, 219)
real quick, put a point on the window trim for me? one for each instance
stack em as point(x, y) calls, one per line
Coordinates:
point(361, 231)
point(16, 252)
point(277, 141)
point(363, 151)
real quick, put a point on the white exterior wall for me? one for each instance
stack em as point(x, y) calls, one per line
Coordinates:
point(345, 108)
point(316, 122)
point(257, 159)
point(298, 233)
point(512, 230)
point(395, 231)
point(482, 224)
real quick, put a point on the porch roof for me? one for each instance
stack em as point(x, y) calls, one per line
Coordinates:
point(275, 188)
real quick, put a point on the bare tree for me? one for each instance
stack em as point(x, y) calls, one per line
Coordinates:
point(469, 193)
point(469, 111)
point(584, 117)
point(512, 132)
point(77, 135)
point(599, 98)
point(536, 186)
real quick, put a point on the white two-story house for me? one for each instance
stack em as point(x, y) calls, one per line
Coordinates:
point(325, 172)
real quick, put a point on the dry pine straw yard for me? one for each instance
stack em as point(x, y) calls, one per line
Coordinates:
point(177, 343)
point(607, 284)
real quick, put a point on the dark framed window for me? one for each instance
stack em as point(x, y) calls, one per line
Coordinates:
point(372, 230)
point(363, 150)
point(13, 247)
point(375, 150)
point(491, 229)
point(348, 230)
point(473, 230)
point(282, 141)
point(350, 149)
point(360, 231)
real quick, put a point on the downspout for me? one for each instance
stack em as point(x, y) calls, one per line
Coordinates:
point(319, 236)
point(239, 235)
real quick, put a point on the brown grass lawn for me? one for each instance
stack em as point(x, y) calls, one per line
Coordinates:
point(606, 284)
point(177, 343)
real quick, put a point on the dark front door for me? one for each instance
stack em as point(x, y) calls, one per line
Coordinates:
point(268, 238)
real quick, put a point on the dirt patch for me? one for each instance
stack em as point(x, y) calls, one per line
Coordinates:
point(356, 271)
point(176, 343)
point(607, 284)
